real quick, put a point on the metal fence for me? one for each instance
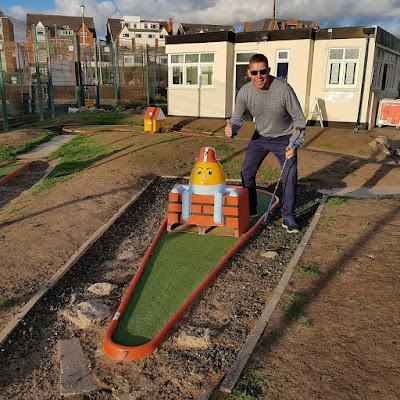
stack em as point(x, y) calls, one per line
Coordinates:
point(47, 74)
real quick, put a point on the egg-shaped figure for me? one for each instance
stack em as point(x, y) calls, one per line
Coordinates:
point(207, 178)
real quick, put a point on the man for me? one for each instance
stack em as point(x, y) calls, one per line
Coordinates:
point(279, 128)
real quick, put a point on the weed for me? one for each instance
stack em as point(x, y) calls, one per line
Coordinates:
point(364, 224)
point(335, 272)
point(249, 387)
point(340, 235)
point(308, 269)
point(7, 303)
point(294, 310)
point(335, 201)
point(307, 324)
point(336, 247)
point(296, 295)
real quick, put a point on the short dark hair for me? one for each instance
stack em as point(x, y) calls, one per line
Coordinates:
point(258, 58)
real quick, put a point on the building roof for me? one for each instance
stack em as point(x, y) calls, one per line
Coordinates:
point(60, 21)
point(187, 29)
point(263, 24)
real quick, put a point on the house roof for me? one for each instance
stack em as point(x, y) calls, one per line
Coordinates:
point(60, 21)
point(154, 113)
point(263, 24)
point(188, 29)
point(114, 27)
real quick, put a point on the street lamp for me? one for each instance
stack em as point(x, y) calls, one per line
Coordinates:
point(83, 22)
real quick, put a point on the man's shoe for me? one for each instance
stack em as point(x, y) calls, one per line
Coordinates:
point(291, 225)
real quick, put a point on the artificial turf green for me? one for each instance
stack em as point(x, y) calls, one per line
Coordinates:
point(177, 266)
point(9, 168)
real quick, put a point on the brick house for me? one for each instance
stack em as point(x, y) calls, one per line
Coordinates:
point(61, 31)
point(7, 43)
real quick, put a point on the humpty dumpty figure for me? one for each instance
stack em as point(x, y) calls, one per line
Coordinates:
point(208, 178)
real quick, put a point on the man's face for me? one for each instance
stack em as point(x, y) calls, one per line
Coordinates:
point(261, 78)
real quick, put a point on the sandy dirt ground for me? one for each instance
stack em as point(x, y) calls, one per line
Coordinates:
point(343, 342)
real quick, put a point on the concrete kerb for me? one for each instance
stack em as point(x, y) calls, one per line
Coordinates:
point(363, 192)
point(65, 268)
point(233, 374)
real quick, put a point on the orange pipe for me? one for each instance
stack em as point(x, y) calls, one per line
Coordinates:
point(15, 172)
point(127, 353)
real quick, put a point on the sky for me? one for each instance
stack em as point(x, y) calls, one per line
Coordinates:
point(327, 13)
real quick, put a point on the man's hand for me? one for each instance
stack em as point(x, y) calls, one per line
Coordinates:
point(228, 129)
point(290, 151)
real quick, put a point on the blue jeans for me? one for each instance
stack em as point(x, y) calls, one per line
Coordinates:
point(258, 148)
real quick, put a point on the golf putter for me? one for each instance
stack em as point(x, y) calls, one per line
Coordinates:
point(277, 183)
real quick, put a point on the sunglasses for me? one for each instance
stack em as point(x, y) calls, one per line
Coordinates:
point(262, 72)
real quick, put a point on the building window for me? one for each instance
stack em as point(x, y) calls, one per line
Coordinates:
point(161, 36)
point(342, 68)
point(125, 35)
point(384, 74)
point(150, 36)
point(192, 69)
point(145, 26)
point(282, 64)
point(83, 34)
point(138, 35)
point(154, 26)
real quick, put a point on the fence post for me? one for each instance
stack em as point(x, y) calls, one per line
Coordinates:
point(148, 74)
point(116, 78)
point(39, 83)
point(100, 66)
point(50, 73)
point(96, 77)
point(78, 87)
point(3, 96)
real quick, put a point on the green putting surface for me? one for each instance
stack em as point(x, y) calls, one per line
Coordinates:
point(9, 168)
point(178, 265)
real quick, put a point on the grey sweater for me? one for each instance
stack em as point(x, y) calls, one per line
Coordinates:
point(277, 111)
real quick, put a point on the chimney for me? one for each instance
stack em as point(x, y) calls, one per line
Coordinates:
point(245, 26)
point(170, 27)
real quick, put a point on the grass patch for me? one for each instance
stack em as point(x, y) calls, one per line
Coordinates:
point(340, 235)
point(6, 303)
point(328, 146)
point(223, 148)
point(8, 153)
point(335, 201)
point(335, 272)
point(77, 155)
point(294, 310)
point(336, 247)
point(269, 174)
point(308, 269)
point(250, 386)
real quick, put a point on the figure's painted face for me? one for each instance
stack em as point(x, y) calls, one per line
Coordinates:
point(207, 174)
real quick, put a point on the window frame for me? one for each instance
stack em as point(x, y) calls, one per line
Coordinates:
point(189, 65)
point(381, 79)
point(342, 63)
point(282, 61)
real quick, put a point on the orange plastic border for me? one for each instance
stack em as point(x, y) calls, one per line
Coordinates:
point(15, 172)
point(128, 353)
point(118, 128)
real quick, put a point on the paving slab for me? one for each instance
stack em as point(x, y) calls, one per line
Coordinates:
point(45, 149)
point(363, 192)
point(76, 377)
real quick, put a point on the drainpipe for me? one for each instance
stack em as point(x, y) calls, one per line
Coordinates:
point(368, 32)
